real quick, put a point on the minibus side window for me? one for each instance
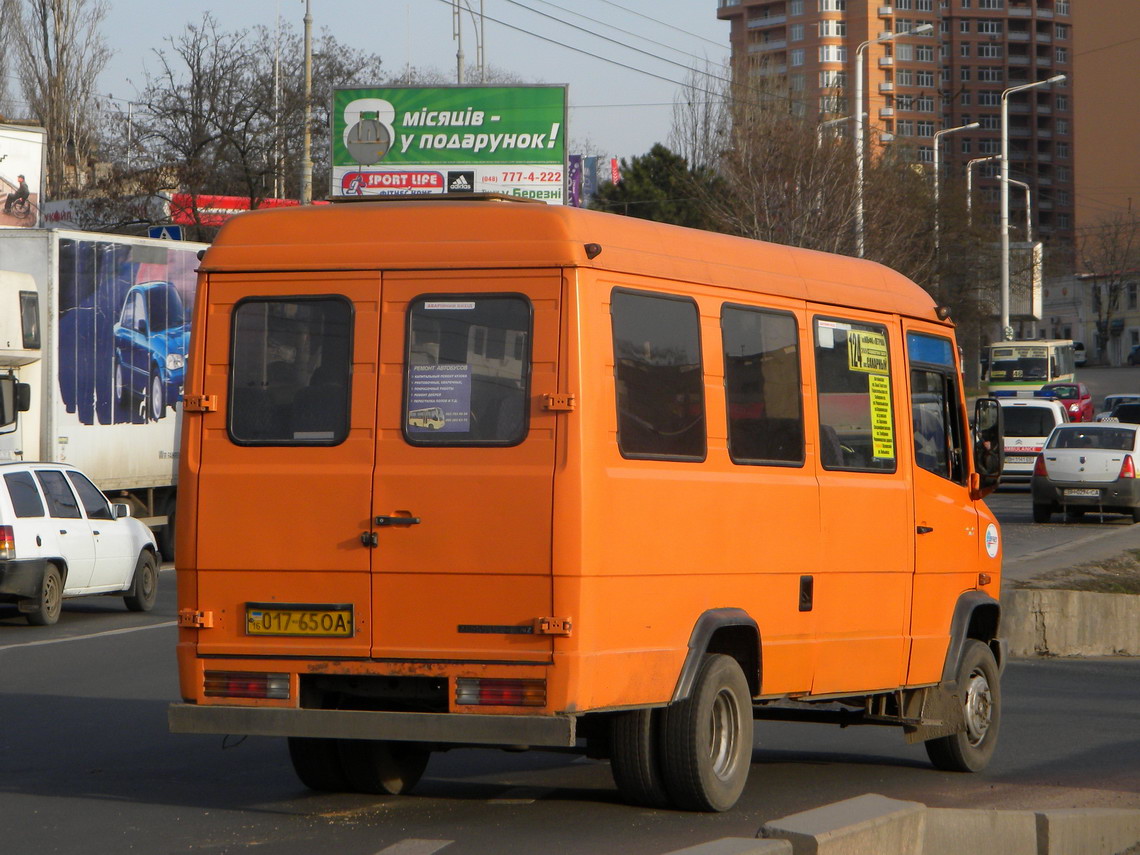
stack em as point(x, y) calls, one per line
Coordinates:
point(467, 367)
point(659, 376)
point(939, 433)
point(762, 386)
point(856, 422)
point(291, 363)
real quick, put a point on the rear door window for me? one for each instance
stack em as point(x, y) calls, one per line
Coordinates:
point(467, 364)
point(61, 500)
point(291, 360)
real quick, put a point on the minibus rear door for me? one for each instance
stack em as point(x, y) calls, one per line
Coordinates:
point(464, 470)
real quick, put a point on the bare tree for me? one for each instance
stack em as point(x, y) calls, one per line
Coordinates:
point(1110, 254)
point(59, 55)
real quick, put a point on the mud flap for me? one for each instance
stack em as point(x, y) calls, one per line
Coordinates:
point(937, 710)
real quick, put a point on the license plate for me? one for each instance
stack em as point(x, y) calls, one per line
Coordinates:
point(1018, 459)
point(327, 621)
point(1082, 493)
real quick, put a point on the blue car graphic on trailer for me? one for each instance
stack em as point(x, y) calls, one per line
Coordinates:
point(150, 349)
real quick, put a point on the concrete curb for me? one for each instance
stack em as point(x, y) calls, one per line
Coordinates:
point(1048, 622)
point(876, 825)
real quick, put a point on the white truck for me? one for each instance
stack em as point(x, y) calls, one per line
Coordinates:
point(93, 341)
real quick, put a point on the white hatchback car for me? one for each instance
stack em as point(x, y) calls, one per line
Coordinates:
point(60, 537)
point(1027, 424)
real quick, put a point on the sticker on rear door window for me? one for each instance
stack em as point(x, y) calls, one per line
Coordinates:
point(439, 398)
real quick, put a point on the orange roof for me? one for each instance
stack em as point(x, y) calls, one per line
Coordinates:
point(492, 233)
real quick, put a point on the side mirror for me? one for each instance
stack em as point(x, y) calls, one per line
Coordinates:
point(23, 397)
point(120, 510)
point(989, 442)
point(9, 403)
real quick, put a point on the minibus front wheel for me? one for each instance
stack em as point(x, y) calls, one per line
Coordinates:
point(979, 692)
point(708, 738)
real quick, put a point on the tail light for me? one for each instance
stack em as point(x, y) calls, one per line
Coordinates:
point(1128, 468)
point(500, 693)
point(1039, 466)
point(7, 543)
point(242, 684)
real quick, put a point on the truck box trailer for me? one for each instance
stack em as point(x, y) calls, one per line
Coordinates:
point(109, 318)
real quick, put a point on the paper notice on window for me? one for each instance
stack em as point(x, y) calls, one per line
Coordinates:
point(882, 427)
point(439, 398)
point(867, 352)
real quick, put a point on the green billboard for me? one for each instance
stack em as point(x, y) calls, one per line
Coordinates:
point(441, 139)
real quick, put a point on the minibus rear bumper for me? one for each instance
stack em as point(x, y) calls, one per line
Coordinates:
point(449, 728)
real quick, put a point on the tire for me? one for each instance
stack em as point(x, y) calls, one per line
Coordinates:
point(155, 398)
point(317, 764)
point(50, 600)
point(382, 768)
point(1136, 515)
point(708, 738)
point(635, 757)
point(165, 535)
point(141, 596)
point(122, 388)
point(979, 690)
point(1042, 513)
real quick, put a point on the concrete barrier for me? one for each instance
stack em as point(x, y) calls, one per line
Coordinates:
point(865, 824)
point(872, 824)
point(1047, 622)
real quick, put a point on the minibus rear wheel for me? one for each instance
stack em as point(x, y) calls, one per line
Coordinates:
point(979, 692)
point(317, 764)
point(382, 768)
point(635, 757)
point(708, 738)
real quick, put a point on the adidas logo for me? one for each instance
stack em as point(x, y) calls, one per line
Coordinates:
point(460, 183)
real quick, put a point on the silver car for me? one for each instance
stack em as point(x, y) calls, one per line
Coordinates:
point(1088, 467)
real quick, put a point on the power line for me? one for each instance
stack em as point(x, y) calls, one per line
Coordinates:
point(630, 32)
point(657, 21)
point(607, 39)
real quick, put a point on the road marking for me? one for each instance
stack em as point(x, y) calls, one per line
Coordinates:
point(415, 846)
point(89, 635)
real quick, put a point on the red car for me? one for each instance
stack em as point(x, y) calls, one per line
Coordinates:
point(1074, 396)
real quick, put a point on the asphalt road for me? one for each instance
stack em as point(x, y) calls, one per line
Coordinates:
point(87, 764)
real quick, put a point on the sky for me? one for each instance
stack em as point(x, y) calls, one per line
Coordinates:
point(624, 60)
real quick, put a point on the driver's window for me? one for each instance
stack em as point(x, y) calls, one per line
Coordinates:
point(94, 502)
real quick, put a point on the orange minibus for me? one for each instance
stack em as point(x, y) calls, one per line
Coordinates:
point(481, 472)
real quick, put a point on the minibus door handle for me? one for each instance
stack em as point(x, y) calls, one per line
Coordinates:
point(925, 529)
point(397, 520)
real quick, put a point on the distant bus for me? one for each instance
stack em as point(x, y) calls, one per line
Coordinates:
point(1020, 368)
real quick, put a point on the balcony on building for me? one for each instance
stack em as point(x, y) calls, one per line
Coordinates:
point(724, 4)
point(1018, 35)
point(1044, 60)
point(886, 11)
point(768, 44)
point(886, 61)
point(887, 86)
point(767, 20)
point(886, 112)
point(1018, 59)
point(1019, 9)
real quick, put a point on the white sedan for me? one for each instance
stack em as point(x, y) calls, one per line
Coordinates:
point(1088, 466)
point(60, 537)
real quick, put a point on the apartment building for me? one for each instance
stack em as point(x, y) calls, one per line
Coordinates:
point(915, 86)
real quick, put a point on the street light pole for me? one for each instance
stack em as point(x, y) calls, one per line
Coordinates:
point(937, 186)
point(860, 127)
point(307, 147)
point(1006, 331)
point(819, 128)
point(970, 184)
point(1028, 208)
